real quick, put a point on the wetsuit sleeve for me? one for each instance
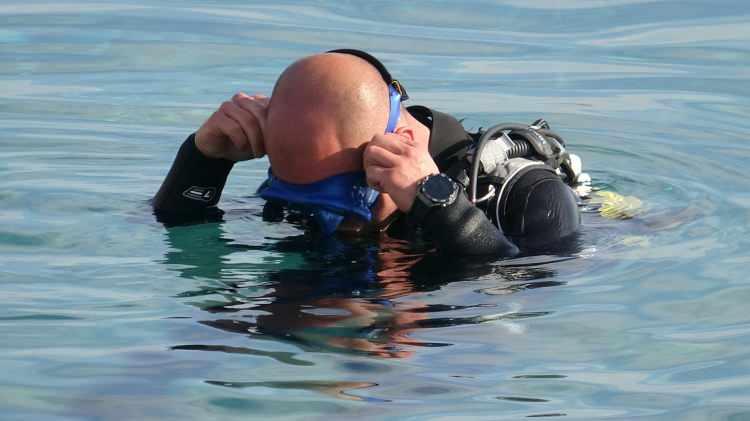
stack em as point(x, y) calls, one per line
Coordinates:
point(463, 229)
point(193, 185)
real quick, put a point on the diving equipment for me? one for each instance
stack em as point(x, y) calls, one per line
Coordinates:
point(329, 200)
point(504, 153)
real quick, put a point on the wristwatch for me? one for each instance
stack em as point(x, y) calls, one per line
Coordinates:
point(434, 191)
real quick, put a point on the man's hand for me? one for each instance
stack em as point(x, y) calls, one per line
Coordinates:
point(395, 163)
point(235, 130)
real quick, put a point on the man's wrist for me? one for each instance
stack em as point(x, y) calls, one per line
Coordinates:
point(205, 150)
point(202, 147)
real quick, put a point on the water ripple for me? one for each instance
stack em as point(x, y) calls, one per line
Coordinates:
point(103, 304)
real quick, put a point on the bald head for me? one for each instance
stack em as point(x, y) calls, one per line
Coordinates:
point(323, 110)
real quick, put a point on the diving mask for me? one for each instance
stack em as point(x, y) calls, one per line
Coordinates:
point(329, 200)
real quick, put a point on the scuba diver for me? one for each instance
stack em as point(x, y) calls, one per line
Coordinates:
point(346, 157)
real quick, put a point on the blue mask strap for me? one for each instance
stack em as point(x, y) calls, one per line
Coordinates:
point(395, 111)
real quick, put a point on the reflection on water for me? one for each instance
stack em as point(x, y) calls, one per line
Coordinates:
point(336, 389)
point(341, 296)
point(108, 315)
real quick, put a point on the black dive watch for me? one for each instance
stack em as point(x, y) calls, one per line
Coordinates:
point(434, 191)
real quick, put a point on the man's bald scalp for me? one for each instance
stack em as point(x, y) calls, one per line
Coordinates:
point(323, 109)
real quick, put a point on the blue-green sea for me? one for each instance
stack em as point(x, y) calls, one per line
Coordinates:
point(106, 314)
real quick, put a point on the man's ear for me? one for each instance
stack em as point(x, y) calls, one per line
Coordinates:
point(405, 131)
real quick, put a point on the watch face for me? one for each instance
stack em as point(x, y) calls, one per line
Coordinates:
point(439, 188)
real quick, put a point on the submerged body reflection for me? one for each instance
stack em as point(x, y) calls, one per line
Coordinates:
point(331, 295)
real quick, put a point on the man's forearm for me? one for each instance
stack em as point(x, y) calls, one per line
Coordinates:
point(463, 229)
point(194, 182)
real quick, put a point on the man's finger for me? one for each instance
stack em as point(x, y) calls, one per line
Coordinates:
point(379, 156)
point(262, 99)
point(232, 130)
point(258, 108)
point(245, 119)
point(391, 142)
point(375, 177)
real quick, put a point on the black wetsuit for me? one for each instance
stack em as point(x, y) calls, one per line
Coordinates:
point(542, 210)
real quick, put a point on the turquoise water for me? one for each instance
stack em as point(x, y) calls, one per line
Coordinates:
point(106, 314)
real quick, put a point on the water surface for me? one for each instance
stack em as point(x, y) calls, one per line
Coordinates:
point(110, 315)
